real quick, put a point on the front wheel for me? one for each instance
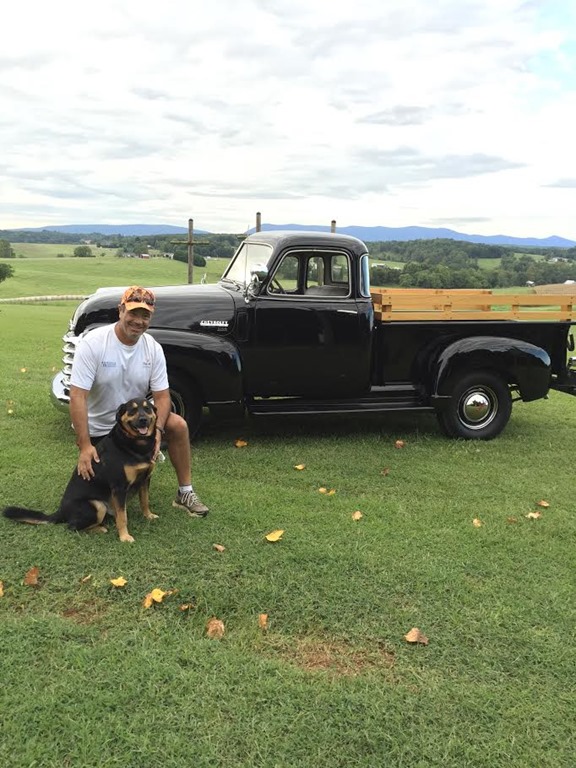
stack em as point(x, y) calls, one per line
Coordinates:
point(480, 407)
point(186, 402)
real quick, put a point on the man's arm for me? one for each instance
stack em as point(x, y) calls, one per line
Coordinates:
point(79, 417)
point(163, 406)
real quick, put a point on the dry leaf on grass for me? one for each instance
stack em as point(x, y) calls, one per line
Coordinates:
point(215, 629)
point(415, 636)
point(1, 589)
point(274, 535)
point(385, 472)
point(85, 579)
point(300, 466)
point(511, 520)
point(542, 503)
point(326, 492)
point(357, 515)
point(263, 621)
point(186, 607)
point(218, 547)
point(23, 370)
point(399, 444)
point(240, 443)
point(119, 582)
point(156, 596)
point(533, 515)
point(477, 523)
point(31, 578)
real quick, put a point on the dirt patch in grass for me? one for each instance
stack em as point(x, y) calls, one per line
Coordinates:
point(86, 613)
point(336, 657)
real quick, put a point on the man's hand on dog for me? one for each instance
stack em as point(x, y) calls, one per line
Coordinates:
point(157, 445)
point(85, 459)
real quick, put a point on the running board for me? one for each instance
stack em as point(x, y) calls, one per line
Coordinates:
point(386, 399)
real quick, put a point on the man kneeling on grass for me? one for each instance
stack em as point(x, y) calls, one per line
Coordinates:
point(115, 363)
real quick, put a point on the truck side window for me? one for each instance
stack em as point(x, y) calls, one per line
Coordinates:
point(365, 276)
point(328, 275)
point(285, 279)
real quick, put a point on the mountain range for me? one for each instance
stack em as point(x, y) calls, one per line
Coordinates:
point(368, 234)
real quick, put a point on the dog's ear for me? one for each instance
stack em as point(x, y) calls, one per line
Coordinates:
point(121, 411)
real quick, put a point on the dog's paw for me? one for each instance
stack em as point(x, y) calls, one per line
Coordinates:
point(151, 516)
point(127, 538)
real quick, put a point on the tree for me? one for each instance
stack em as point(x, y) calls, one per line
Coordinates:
point(83, 251)
point(6, 271)
point(6, 250)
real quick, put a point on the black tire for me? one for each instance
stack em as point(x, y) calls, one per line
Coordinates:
point(480, 407)
point(186, 402)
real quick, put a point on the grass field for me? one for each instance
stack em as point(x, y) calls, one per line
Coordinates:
point(48, 276)
point(92, 678)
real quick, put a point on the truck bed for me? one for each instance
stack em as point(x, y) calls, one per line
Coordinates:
point(470, 304)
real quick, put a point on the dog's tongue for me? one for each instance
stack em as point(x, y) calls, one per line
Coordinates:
point(143, 430)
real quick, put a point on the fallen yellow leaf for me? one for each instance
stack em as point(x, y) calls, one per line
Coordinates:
point(10, 411)
point(23, 370)
point(263, 621)
point(119, 582)
point(322, 490)
point(331, 492)
point(31, 577)
point(399, 444)
point(84, 579)
point(218, 547)
point(156, 596)
point(477, 523)
point(240, 443)
point(186, 606)
point(533, 515)
point(1, 589)
point(415, 636)
point(274, 535)
point(543, 503)
point(215, 628)
point(357, 515)
point(300, 466)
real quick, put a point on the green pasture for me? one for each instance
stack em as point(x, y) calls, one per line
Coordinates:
point(92, 678)
point(50, 276)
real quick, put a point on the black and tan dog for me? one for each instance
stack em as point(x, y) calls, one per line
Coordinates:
point(125, 466)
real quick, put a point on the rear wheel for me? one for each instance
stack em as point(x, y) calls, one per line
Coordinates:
point(480, 407)
point(186, 402)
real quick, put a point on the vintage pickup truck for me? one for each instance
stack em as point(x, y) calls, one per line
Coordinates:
point(293, 327)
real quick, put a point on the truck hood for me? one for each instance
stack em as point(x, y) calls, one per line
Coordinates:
point(201, 308)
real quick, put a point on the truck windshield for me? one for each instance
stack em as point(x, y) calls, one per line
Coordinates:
point(249, 258)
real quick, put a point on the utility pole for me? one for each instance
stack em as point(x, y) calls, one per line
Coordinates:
point(190, 243)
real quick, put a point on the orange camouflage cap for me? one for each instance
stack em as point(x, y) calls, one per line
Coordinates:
point(137, 297)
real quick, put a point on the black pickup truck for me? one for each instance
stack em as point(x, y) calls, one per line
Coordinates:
point(291, 328)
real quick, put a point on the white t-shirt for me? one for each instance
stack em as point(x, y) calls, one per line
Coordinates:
point(115, 373)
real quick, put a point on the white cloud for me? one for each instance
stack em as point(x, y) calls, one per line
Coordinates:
point(387, 113)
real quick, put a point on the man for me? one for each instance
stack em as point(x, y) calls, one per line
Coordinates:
point(115, 363)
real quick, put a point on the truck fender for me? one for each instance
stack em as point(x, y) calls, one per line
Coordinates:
point(212, 364)
point(518, 362)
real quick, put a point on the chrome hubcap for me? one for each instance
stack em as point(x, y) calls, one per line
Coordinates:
point(478, 408)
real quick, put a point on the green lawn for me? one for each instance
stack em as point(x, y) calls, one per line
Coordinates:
point(92, 678)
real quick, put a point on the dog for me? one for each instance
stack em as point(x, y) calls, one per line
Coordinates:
point(126, 463)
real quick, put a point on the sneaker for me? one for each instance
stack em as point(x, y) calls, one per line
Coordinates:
point(191, 503)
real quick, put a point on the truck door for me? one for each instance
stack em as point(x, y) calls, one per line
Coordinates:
point(310, 336)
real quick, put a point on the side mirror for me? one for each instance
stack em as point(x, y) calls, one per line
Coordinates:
point(257, 275)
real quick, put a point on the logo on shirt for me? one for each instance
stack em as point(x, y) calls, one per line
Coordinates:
point(108, 363)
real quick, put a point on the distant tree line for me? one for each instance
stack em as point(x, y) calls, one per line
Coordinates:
point(437, 263)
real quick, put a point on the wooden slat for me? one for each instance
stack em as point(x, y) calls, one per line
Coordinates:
point(433, 304)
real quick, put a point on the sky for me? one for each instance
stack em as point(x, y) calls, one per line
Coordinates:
point(452, 113)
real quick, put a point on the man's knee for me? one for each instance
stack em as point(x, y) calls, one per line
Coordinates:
point(176, 426)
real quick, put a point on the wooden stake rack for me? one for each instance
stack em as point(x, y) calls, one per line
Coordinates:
point(469, 304)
